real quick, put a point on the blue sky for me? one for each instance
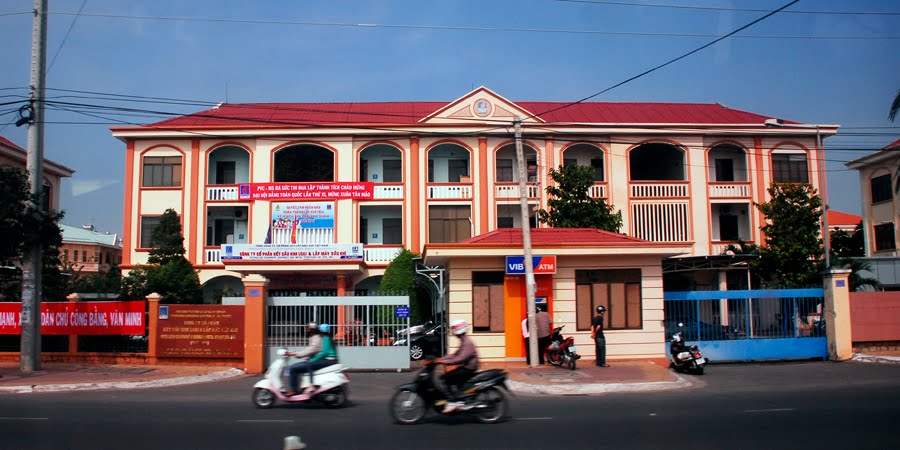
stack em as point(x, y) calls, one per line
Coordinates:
point(814, 68)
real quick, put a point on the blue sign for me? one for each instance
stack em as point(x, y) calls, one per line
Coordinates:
point(164, 312)
point(515, 265)
point(401, 312)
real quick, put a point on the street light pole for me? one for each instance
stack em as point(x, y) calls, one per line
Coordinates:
point(526, 245)
point(430, 272)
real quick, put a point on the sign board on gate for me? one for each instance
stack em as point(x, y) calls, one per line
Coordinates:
point(515, 265)
point(402, 312)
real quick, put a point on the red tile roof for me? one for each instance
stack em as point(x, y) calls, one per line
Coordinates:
point(277, 115)
point(837, 218)
point(586, 237)
point(892, 145)
point(8, 143)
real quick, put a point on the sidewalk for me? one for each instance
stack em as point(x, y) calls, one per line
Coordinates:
point(621, 376)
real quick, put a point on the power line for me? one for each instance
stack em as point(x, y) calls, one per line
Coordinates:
point(465, 28)
point(671, 61)
point(66, 37)
point(714, 8)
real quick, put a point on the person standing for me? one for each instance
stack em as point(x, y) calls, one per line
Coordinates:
point(526, 335)
point(599, 339)
point(544, 327)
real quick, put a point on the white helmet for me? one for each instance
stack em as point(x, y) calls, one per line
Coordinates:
point(459, 327)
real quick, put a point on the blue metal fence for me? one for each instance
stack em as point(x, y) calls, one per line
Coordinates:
point(750, 325)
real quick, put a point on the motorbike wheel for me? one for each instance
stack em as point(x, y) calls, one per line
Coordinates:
point(263, 398)
point(416, 352)
point(554, 358)
point(699, 370)
point(490, 406)
point(407, 407)
point(571, 362)
point(335, 397)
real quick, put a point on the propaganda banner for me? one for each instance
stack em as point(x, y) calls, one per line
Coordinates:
point(357, 190)
point(84, 318)
point(291, 252)
point(200, 331)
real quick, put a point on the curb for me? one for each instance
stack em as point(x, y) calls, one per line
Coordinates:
point(861, 357)
point(230, 373)
point(519, 387)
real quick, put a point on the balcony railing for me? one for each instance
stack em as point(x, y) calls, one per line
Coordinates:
point(449, 191)
point(658, 190)
point(389, 191)
point(729, 190)
point(506, 191)
point(381, 254)
point(718, 247)
point(597, 191)
point(222, 193)
point(212, 255)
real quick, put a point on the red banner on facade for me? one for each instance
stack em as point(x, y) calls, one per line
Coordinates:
point(307, 191)
point(86, 318)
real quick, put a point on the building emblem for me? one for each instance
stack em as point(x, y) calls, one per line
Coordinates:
point(482, 108)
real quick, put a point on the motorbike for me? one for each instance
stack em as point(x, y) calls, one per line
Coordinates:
point(333, 385)
point(482, 396)
point(683, 358)
point(561, 351)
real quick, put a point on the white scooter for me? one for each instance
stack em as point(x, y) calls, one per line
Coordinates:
point(332, 391)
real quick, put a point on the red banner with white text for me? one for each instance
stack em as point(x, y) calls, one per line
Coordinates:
point(87, 318)
point(358, 190)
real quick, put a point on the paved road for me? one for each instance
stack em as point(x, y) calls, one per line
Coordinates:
point(790, 405)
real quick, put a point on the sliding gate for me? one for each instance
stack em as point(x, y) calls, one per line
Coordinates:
point(749, 325)
point(363, 327)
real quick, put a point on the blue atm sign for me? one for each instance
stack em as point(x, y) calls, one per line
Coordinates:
point(540, 264)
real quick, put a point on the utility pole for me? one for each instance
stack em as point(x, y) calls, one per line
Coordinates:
point(30, 351)
point(526, 244)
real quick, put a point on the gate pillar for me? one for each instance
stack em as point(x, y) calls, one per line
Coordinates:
point(836, 314)
point(255, 293)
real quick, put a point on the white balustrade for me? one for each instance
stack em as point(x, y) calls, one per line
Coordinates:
point(597, 191)
point(381, 254)
point(303, 236)
point(659, 190)
point(450, 191)
point(388, 191)
point(221, 193)
point(729, 190)
point(213, 255)
point(661, 221)
point(505, 191)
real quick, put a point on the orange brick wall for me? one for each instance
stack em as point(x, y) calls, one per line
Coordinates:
point(875, 316)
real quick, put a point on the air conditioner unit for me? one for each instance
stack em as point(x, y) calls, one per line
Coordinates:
point(238, 213)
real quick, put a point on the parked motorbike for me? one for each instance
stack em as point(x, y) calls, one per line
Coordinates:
point(482, 397)
point(332, 391)
point(561, 351)
point(684, 359)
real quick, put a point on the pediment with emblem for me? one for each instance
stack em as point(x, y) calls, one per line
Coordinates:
point(480, 104)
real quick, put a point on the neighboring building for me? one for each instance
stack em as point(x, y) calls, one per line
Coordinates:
point(842, 221)
point(11, 155)
point(878, 175)
point(88, 251)
point(423, 175)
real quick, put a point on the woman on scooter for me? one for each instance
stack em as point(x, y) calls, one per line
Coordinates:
point(326, 357)
point(315, 346)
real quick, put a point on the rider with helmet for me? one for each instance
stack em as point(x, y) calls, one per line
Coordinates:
point(599, 339)
point(466, 360)
point(326, 357)
point(315, 346)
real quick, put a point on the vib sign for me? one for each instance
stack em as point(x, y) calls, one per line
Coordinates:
point(539, 264)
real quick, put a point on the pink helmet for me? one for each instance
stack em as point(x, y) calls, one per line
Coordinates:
point(459, 327)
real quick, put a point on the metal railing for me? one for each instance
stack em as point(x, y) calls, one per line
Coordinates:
point(658, 190)
point(450, 191)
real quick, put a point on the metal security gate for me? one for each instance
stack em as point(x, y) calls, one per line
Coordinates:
point(363, 328)
point(750, 325)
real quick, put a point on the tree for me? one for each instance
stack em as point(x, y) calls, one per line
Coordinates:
point(571, 205)
point(21, 226)
point(845, 245)
point(400, 279)
point(793, 247)
point(168, 273)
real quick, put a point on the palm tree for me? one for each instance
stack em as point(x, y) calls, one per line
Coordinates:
point(895, 106)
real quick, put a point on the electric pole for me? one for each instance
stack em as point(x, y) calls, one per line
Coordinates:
point(30, 351)
point(526, 244)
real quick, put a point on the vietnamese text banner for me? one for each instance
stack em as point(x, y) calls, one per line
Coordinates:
point(290, 252)
point(357, 190)
point(85, 318)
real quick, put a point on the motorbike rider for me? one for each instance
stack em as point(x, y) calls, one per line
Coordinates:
point(466, 360)
point(315, 346)
point(326, 357)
